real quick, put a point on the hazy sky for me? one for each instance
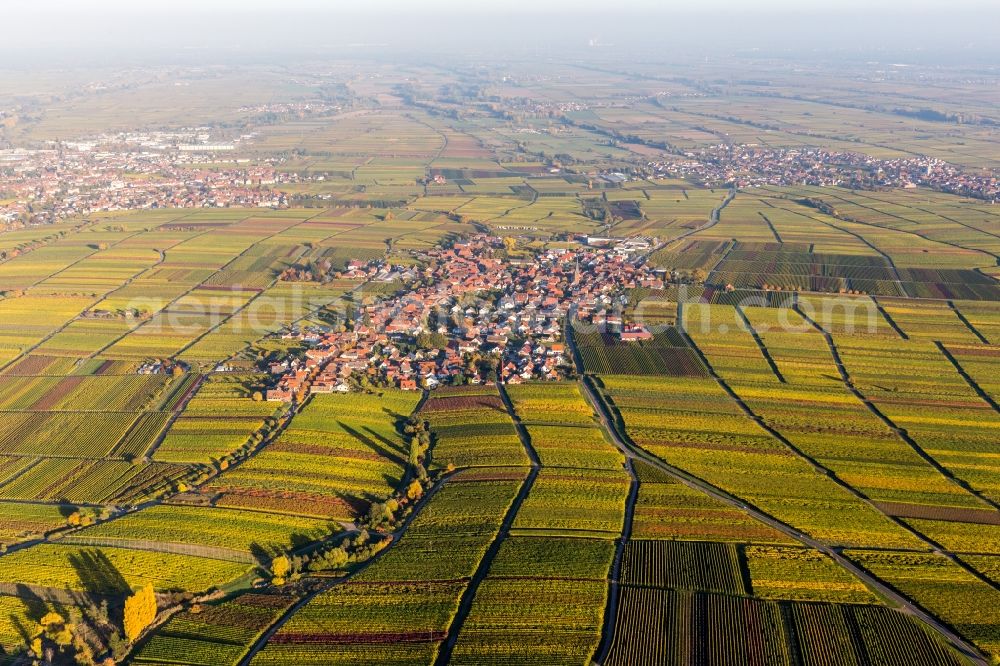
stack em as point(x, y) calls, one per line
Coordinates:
point(74, 31)
point(39, 6)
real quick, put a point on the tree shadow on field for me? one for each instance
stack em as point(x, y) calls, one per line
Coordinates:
point(393, 445)
point(488, 404)
point(357, 505)
point(261, 554)
point(391, 480)
point(35, 606)
point(378, 448)
point(38, 602)
point(98, 574)
point(395, 415)
point(24, 632)
point(300, 540)
point(34, 609)
point(399, 423)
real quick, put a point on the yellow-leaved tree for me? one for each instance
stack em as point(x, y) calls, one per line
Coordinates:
point(280, 566)
point(53, 627)
point(140, 611)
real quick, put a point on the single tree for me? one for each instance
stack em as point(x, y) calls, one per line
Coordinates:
point(140, 611)
point(280, 566)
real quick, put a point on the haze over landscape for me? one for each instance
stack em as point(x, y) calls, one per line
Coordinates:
point(94, 30)
point(500, 333)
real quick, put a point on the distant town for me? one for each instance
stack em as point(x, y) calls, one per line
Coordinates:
point(182, 169)
point(756, 166)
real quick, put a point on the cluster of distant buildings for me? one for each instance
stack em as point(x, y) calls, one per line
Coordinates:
point(187, 139)
point(161, 367)
point(297, 109)
point(132, 171)
point(476, 318)
point(527, 106)
point(749, 165)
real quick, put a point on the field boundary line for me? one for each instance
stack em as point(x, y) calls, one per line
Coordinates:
point(175, 414)
point(936, 214)
point(123, 285)
point(770, 225)
point(97, 299)
point(24, 470)
point(713, 219)
point(173, 301)
point(968, 324)
point(261, 642)
point(170, 547)
point(238, 311)
point(898, 217)
point(889, 320)
point(823, 469)
point(817, 466)
point(973, 384)
point(760, 344)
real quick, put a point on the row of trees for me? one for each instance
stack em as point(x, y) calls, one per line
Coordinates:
point(381, 516)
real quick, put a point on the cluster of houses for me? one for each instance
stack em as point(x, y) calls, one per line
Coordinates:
point(79, 179)
point(292, 109)
point(162, 367)
point(470, 317)
point(751, 165)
